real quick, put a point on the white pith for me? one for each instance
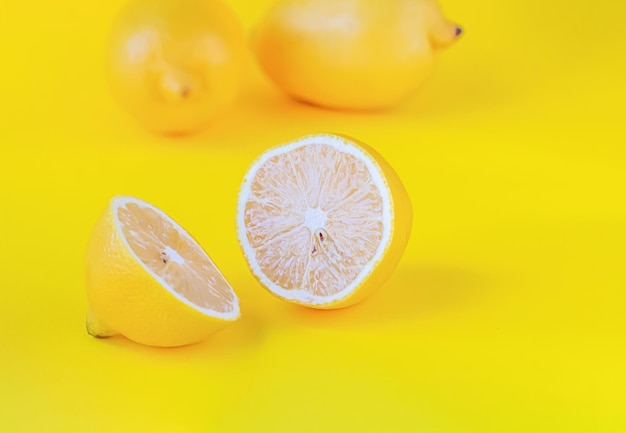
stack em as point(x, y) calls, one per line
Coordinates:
point(173, 255)
point(315, 219)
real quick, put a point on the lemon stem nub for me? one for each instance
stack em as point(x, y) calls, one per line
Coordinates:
point(95, 328)
point(445, 33)
point(176, 86)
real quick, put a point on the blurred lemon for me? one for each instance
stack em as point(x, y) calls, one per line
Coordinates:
point(150, 281)
point(323, 221)
point(174, 64)
point(351, 54)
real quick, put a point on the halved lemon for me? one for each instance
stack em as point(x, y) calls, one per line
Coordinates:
point(150, 281)
point(323, 221)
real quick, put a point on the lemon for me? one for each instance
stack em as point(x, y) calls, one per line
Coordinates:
point(323, 221)
point(150, 281)
point(175, 64)
point(351, 54)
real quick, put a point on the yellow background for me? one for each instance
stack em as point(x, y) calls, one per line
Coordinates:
point(506, 314)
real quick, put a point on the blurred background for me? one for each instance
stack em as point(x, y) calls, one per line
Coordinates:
point(505, 315)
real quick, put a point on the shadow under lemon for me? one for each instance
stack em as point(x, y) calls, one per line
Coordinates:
point(413, 293)
point(261, 110)
point(236, 338)
point(274, 116)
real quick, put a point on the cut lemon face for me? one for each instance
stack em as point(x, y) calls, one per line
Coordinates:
point(323, 221)
point(150, 281)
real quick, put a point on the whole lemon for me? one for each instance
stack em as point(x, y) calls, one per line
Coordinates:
point(174, 64)
point(351, 54)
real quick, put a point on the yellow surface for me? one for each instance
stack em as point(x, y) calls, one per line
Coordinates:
point(506, 314)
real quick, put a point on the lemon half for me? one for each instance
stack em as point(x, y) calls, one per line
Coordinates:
point(150, 281)
point(323, 221)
